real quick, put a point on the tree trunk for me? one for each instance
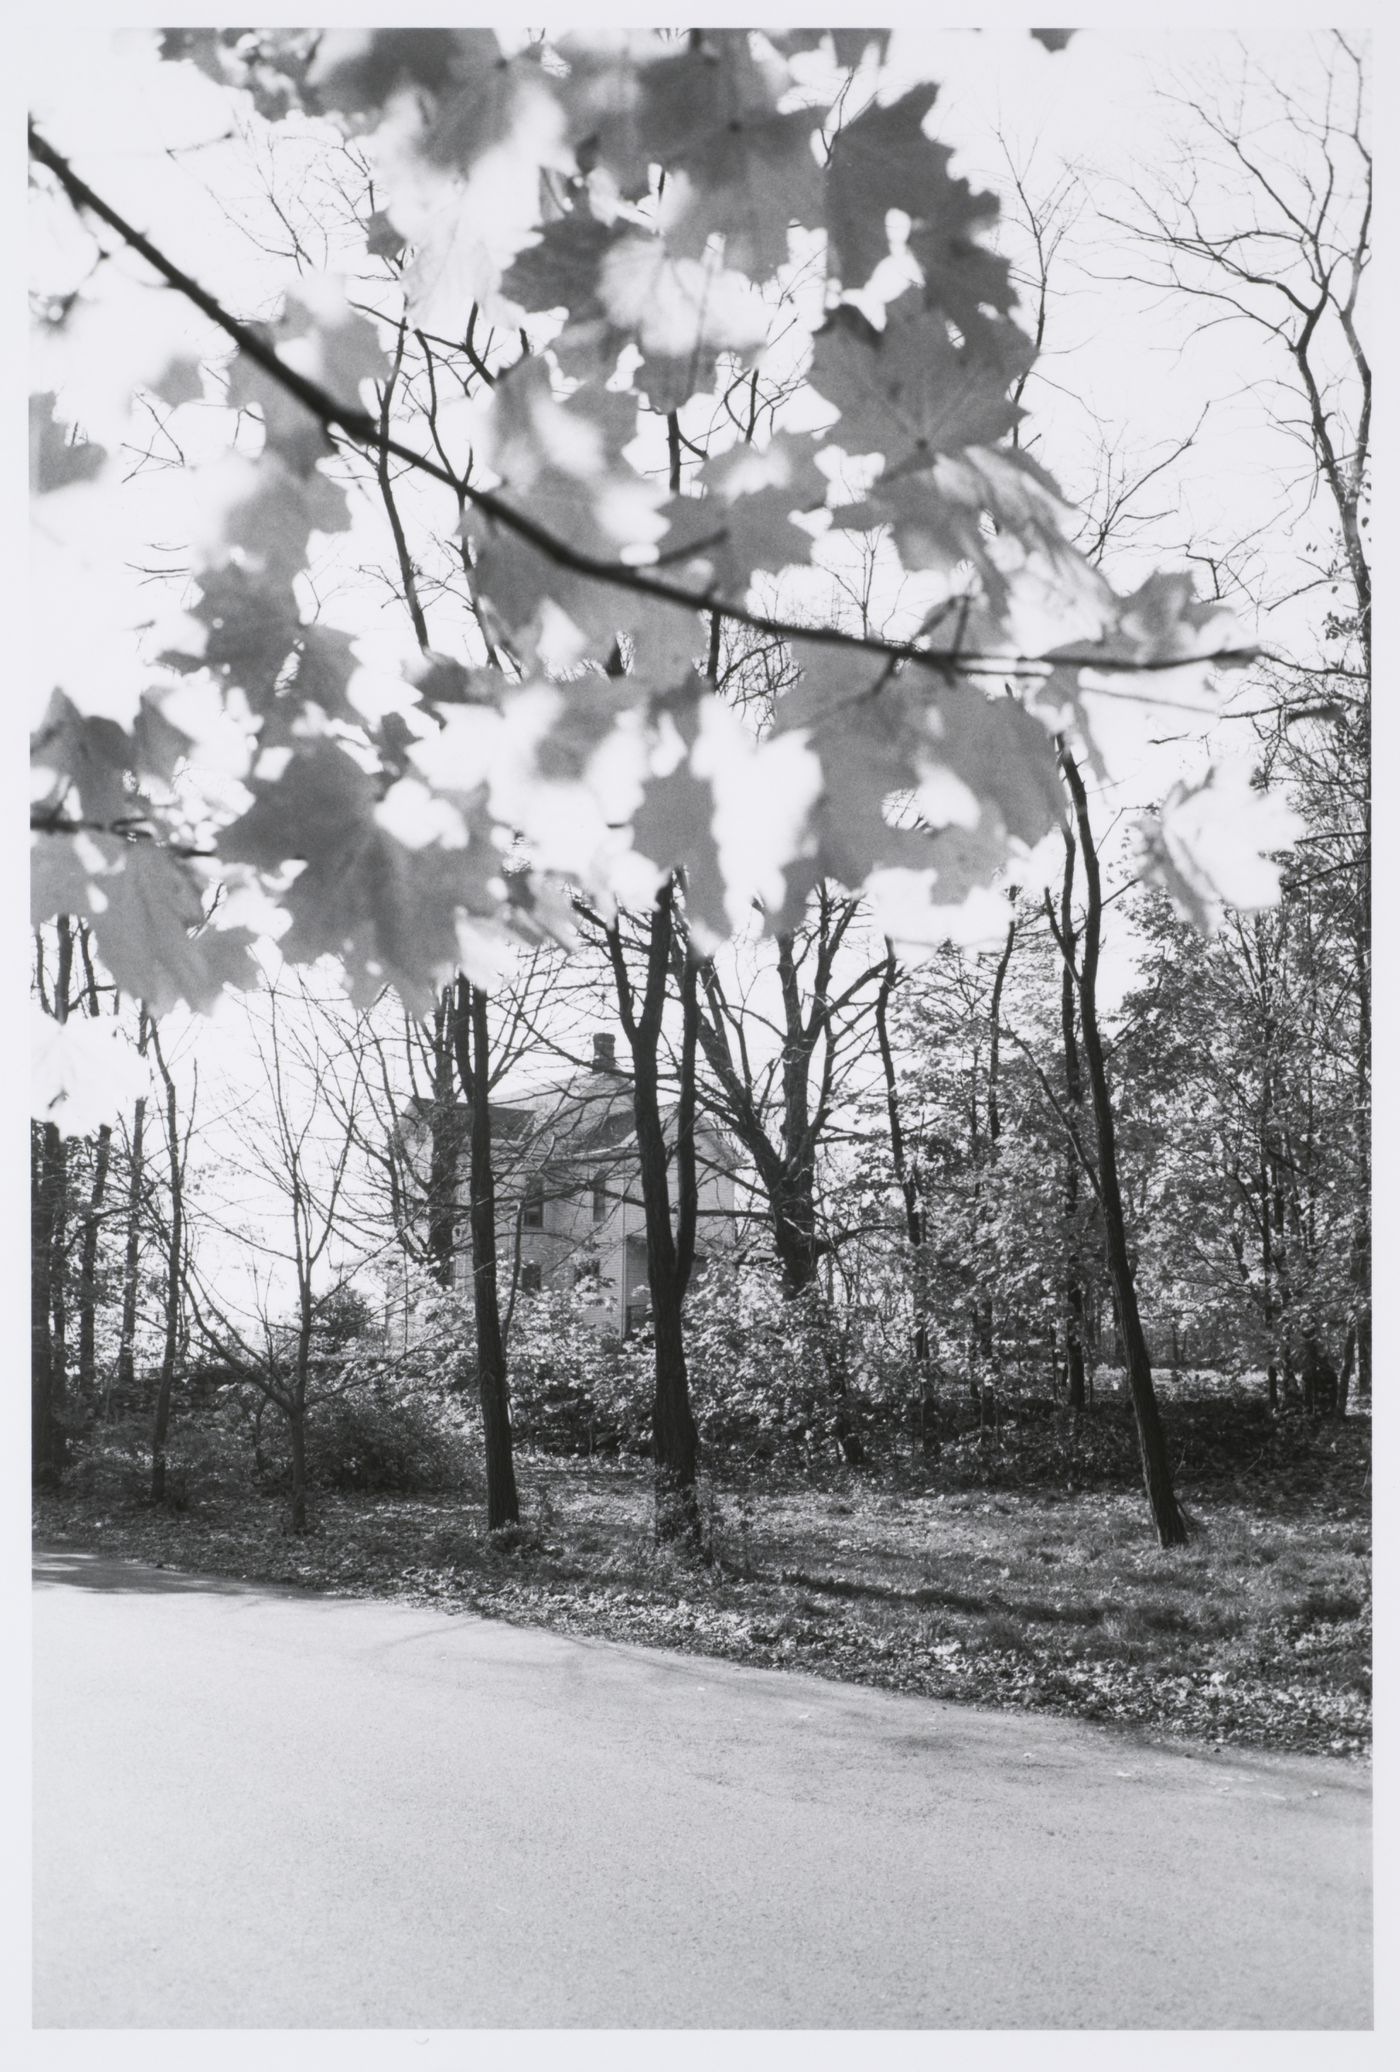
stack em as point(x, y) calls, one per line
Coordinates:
point(1075, 1330)
point(87, 1283)
point(670, 1254)
point(48, 1233)
point(445, 1149)
point(1152, 1442)
point(914, 1226)
point(48, 1444)
point(296, 1433)
point(471, 1035)
point(136, 1180)
point(174, 1274)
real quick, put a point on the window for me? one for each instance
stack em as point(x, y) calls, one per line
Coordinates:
point(531, 1277)
point(600, 1198)
point(532, 1212)
point(588, 1274)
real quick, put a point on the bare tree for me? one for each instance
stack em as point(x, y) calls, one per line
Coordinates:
point(1103, 1172)
point(298, 1148)
point(471, 1036)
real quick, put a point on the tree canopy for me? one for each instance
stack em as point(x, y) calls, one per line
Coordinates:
point(618, 332)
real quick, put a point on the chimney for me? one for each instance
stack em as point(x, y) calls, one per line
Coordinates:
point(604, 1059)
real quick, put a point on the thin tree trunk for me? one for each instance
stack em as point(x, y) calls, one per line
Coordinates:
point(174, 1278)
point(472, 1038)
point(87, 1281)
point(49, 1217)
point(48, 1441)
point(136, 1180)
point(1075, 1330)
point(1152, 1442)
point(445, 1147)
point(914, 1226)
point(670, 1254)
point(296, 1433)
point(986, 1309)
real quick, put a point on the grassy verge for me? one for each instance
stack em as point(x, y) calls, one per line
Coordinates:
point(1257, 1633)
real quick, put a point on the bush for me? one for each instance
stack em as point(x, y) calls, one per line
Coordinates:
point(572, 1389)
point(206, 1456)
point(383, 1441)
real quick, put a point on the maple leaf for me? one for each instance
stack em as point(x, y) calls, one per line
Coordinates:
point(560, 271)
point(849, 46)
point(996, 509)
point(318, 335)
point(743, 522)
point(86, 755)
point(1214, 841)
point(83, 1072)
point(383, 238)
point(146, 910)
point(727, 813)
point(907, 391)
point(622, 287)
point(291, 431)
point(601, 98)
point(266, 512)
point(586, 714)
point(388, 910)
point(251, 626)
point(56, 457)
point(674, 829)
point(441, 680)
point(473, 97)
point(562, 462)
point(180, 381)
point(1163, 620)
point(915, 773)
point(63, 870)
point(749, 171)
point(884, 160)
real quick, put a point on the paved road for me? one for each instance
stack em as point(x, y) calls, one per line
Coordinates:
point(260, 1808)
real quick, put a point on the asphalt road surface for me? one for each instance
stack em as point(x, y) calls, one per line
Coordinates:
point(262, 1808)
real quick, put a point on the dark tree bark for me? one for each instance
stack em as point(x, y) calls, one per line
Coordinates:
point(1076, 1333)
point(48, 1255)
point(985, 1308)
point(472, 1039)
point(48, 1441)
point(907, 1180)
point(296, 1434)
point(670, 1252)
point(174, 1278)
point(1152, 1442)
point(87, 1272)
point(445, 1150)
point(131, 1263)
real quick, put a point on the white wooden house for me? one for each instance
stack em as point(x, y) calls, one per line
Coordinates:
point(568, 1193)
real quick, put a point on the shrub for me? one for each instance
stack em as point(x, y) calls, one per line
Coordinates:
point(384, 1441)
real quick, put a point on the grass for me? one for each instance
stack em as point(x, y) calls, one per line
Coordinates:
point(1041, 1597)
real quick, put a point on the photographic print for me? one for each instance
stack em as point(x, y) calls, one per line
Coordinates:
point(701, 1006)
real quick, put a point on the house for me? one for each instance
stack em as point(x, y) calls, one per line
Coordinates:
point(569, 1199)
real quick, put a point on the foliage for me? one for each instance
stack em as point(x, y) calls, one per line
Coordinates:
point(379, 1437)
point(667, 221)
